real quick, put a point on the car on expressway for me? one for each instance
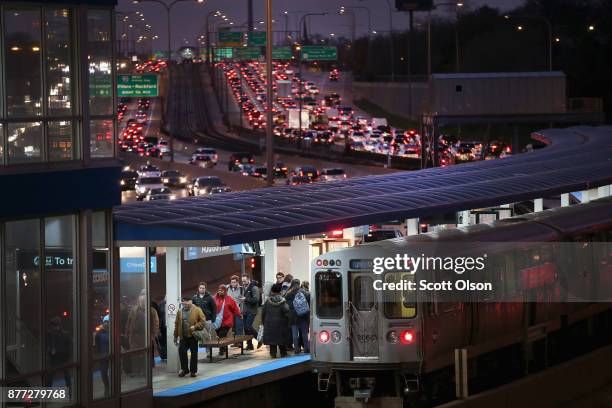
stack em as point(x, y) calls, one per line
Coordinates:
point(207, 151)
point(173, 178)
point(128, 179)
point(335, 173)
point(163, 193)
point(149, 170)
point(239, 158)
point(144, 184)
point(297, 180)
point(203, 185)
point(307, 171)
point(201, 160)
point(220, 189)
point(334, 75)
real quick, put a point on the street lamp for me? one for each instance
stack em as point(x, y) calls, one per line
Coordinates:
point(168, 8)
point(269, 97)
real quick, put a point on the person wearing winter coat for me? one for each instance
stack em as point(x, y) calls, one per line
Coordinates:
point(236, 292)
point(299, 314)
point(252, 300)
point(275, 318)
point(204, 300)
point(228, 306)
point(188, 320)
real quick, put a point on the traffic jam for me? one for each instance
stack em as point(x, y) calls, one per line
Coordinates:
point(325, 121)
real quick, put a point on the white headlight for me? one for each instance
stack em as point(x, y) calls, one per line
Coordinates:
point(123, 182)
point(142, 189)
point(166, 180)
point(183, 179)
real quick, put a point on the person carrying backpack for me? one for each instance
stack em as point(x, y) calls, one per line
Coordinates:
point(299, 315)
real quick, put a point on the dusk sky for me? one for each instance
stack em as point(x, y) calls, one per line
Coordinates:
point(188, 18)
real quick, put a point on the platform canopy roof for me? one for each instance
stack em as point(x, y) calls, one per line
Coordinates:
point(575, 159)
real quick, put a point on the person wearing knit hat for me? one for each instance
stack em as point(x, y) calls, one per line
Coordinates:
point(275, 320)
point(227, 309)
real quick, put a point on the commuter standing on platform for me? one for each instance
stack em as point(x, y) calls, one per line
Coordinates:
point(227, 310)
point(204, 300)
point(299, 314)
point(236, 292)
point(252, 300)
point(274, 316)
point(189, 319)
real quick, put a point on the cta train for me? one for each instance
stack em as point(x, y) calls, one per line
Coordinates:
point(402, 348)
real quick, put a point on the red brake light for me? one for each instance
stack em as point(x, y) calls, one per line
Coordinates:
point(407, 337)
point(324, 337)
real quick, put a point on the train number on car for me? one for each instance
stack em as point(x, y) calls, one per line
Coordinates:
point(365, 338)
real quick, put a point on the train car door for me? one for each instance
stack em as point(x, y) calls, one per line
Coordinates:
point(363, 307)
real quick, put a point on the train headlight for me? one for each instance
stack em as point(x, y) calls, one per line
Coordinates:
point(336, 337)
point(324, 336)
point(392, 337)
point(407, 337)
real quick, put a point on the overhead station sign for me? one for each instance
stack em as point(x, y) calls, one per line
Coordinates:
point(145, 85)
point(319, 53)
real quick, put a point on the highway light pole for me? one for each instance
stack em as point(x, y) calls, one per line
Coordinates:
point(168, 8)
point(299, 49)
point(269, 97)
point(369, 38)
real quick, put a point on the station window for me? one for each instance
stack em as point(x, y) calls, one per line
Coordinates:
point(24, 142)
point(328, 286)
point(22, 39)
point(40, 303)
point(58, 50)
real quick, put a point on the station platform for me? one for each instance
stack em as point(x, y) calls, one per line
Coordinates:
point(223, 376)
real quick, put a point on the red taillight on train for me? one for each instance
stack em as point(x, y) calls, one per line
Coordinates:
point(324, 337)
point(407, 337)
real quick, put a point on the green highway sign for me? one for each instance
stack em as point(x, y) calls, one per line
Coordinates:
point(257, 38)
point(137, 85)
point(247, 53)
point(222, 53)
point(319, 53)
point(230, 38)
point(282, 53)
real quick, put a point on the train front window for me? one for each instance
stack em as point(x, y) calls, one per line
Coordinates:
point(399, 304)
point(363, 293)
point(328, 286)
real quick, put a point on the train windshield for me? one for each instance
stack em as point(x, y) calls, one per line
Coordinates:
point(399, 304)
point(363, 295)
point(328, 286)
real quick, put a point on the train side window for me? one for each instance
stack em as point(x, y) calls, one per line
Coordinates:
point(363, 295)
point(399, 304)
point(328, 287)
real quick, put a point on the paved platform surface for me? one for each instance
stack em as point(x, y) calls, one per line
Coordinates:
point(223, 376)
